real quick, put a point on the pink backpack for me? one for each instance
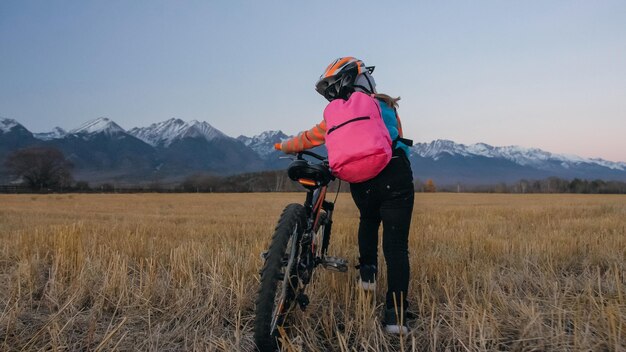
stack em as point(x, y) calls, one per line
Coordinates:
point(358, 142)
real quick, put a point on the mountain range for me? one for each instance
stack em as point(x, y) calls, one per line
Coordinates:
point(171, 150)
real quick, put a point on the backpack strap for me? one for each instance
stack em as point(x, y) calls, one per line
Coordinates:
point(405, 141)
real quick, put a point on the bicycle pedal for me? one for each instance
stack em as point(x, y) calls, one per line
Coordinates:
point(335, 264)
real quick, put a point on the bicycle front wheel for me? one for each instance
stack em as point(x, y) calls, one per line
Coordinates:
point(279, 278)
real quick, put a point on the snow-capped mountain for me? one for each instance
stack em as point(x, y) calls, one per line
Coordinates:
point(56, 133)
point(6, 125)
point(13, 134)
point(99, 125)
point(263, 143)
point(166, 132)
point(532, 157)
point(103, 151)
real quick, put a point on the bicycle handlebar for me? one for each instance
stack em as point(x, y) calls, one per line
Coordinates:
point(316, 156)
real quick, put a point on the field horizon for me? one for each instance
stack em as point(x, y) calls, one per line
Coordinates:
point(166, 272)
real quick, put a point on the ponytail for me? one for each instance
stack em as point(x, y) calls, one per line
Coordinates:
point(392, 102)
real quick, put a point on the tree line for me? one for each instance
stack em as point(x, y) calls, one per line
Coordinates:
point(548, 185)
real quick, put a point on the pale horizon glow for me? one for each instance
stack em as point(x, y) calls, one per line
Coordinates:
point(547, 75)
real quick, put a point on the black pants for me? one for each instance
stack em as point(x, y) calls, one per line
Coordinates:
point(388, 198)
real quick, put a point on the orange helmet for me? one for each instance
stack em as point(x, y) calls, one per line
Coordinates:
point(338, 79)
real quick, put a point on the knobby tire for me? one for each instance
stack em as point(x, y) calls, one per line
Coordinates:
point(292, 222)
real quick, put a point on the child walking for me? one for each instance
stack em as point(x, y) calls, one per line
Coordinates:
point(384, 195)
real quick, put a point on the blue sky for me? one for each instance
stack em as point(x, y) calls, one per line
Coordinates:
point(546, 74)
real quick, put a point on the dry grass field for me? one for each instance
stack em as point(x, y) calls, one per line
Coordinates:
point(180, 272)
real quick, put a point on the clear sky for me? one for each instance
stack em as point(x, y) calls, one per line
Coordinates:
point(545, 74)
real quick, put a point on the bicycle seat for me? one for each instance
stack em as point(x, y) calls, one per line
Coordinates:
point(303, 171)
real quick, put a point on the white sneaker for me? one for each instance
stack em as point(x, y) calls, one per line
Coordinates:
point(394, 324)
point(396, 329)
point(367, 280)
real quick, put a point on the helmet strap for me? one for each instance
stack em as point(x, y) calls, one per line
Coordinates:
point(345, 92)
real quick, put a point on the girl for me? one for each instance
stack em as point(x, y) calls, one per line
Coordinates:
point(388, 197)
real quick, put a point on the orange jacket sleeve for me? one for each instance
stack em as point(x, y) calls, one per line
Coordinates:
point(306, 140)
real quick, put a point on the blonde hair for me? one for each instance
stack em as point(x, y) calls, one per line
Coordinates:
point(392, 102)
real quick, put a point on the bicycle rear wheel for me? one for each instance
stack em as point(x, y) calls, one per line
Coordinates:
point(279, 279)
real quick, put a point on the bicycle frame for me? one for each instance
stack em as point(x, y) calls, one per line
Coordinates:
point(314, 203)
point(310, 257)
point(313, 245)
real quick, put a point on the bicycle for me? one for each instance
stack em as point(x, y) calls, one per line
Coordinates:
point(298, 246)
